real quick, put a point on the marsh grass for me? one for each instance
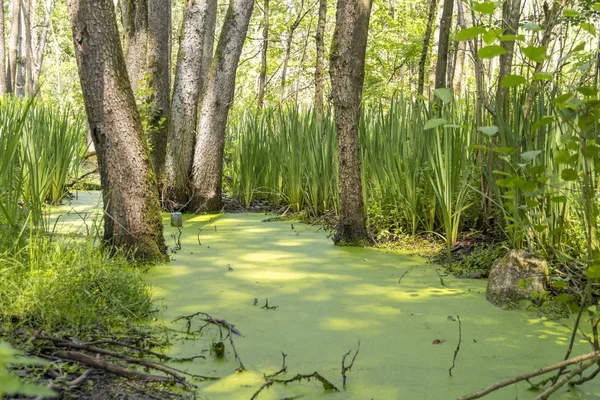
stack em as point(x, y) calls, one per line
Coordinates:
point(68, 284)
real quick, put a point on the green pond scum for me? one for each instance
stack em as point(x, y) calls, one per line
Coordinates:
point(328, 298)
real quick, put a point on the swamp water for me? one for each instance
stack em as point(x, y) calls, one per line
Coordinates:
point(328, 298)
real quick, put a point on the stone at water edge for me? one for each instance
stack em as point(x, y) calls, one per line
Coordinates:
point(504, 290)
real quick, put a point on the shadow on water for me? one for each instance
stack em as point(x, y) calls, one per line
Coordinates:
point(330, 297)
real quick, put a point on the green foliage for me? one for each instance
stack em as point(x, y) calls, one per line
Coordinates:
point(40, 149)
point(11, 384)
point(69, 285)
point(478, 262)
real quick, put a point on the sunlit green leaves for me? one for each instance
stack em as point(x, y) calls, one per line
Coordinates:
point(510, 81)
point(484, 7)
point(543, 76)
point(586, 26)
point(445, 95)
point(488, 130)
point(491, 51)
point(535, 53)
point(529, 156)
point(434, 123)
point(469, 33)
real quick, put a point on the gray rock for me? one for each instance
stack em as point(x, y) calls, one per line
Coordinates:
point(504, 287)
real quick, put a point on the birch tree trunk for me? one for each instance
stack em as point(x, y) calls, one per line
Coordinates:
point(262, 76)
point(147, 31)
point(207, 169)
point(39, 46)
point(132, 212)
point(186, 95)
point(347, 70)
point(319, 75)
point(289, 38)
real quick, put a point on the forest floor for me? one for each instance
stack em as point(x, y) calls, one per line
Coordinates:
point(322, 300)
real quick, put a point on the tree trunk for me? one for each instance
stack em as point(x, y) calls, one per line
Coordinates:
point(511, 10)
point(27, 55)
point(444, 44)
point(186, 95)
point(347, 70)
point(147, 31)
point(319, 75)
point(40, 46)
point(262, 76)
point(289, 38)
point(21, 79)
point(425, 49)
point(3, 77)
point(13, 46)
point(207, 169)
point(132, 212)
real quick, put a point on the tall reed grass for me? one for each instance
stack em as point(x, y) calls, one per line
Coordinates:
point(40, 148)
point(420, 173)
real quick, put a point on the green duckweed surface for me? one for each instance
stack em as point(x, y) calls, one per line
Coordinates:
point(330, 297)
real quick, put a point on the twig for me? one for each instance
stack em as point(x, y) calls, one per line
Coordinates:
point(457, 345)
point(587, 378)
point(571, 341)
point(561, 382)
point(349, 367)
point(282, 369)
point(267, 307)
point(405, 272)
point(241, 368)
point(328, 386)
point(439, 276)
point(219, 322)
point(595, 356)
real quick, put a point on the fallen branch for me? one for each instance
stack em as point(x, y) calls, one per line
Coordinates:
point(457, 345)
point(561, 382)
point(241, 367)
point(349, 367)
point(98, 363)
point(219, 322)
point(328, 386)
point(405, 272)
point(595, 356)
point(268, 307)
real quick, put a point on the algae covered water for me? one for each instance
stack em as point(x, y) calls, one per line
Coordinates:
point(328, 298)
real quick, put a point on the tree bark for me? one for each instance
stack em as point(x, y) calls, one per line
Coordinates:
point(319, 74)
point(289, 38)
point(40, 46)
point(207, 169)
point(13, 46)
point(444, 44)
point(3, 77)
point(186, 95)
point(347, 70)
point(147, 31)
point(132, 212)
point(262, 76)
point(426, 41)
point(511, 10)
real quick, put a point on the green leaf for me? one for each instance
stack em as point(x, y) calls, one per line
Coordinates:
point(595, 7)
point(536, 169)
point(563, 298)
point(484, 7)
point(504, 150)
point(488, 130)
point(443, 94)
point(525, 185)
point(491, 35)
point(469, 33)
point(528, 156)
point(586, 26)
point(587, 91)
point(532, 203)
point(569, 174)
point(474, 147)
point(522, 283)
point(543, 76)
point(570, 13)
point(564, 157)
point(592, 309)
point(535, 53)
point(490, 51)
point(434, 123)
point(530, 26)
point(548, 119)
point(559, 199)
point(512, 81)
point(505, 182)
point(559, 284)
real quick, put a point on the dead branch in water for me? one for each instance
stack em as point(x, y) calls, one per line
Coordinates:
point(457, 345)
point(349, 367)
point(207, 318)
point(593, 357)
